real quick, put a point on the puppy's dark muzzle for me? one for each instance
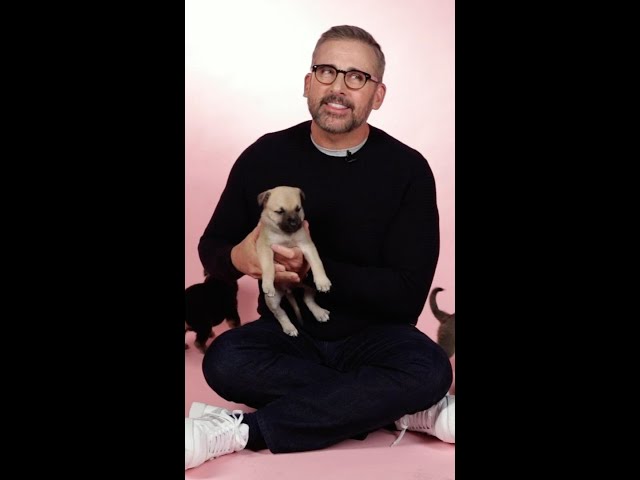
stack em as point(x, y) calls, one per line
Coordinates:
point(291, 224)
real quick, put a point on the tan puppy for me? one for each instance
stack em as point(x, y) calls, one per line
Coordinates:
point(281, 224)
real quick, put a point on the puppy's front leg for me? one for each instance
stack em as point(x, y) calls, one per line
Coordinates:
point(310, 252)
point(265, 256)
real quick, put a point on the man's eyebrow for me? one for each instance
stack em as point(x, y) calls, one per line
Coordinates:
point(348, 69)
point(354, 68)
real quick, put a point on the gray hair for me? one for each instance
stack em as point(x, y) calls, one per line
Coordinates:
point(349, 32)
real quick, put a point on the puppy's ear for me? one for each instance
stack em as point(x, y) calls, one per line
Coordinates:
point(263, 197)
point(301, 193)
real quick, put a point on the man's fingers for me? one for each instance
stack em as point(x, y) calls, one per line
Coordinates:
point(284, 251)
point(280, 267)
point(287, 277)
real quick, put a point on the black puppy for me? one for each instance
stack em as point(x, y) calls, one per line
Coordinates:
point(207, 304)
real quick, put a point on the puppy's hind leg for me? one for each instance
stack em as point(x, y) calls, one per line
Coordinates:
point(294, 304)
point(231, 314)
point(274, 305)
point(321, 314)
point(201, 339)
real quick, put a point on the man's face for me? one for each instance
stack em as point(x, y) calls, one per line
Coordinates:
point(337, 108)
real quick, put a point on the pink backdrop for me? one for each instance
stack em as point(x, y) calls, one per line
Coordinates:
point(228, 105)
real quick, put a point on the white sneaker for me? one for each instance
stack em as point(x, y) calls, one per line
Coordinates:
point(198, 409)
point(213, 434)
point(439, 421)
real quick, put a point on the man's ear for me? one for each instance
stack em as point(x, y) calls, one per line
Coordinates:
point(378, 96)
point(307, 84)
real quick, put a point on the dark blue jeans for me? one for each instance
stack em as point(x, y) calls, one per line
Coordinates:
point(310, 394)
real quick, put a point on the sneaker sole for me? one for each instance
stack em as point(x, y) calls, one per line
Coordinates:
point(188, 437)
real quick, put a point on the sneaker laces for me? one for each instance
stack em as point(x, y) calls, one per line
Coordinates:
point(397, 440)
point(223, 434)
point(420, 422)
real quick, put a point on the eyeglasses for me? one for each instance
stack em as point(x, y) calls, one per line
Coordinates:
point(354, 79)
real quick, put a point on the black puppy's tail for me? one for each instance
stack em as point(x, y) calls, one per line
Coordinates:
point(439, 314)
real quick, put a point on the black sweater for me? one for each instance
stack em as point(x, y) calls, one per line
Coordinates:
point(374, 221)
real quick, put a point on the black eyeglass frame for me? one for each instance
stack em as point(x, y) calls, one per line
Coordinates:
point(367, 76)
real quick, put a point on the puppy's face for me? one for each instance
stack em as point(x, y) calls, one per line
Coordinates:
point(282, 208)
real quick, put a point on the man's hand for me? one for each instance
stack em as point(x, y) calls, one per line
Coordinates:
point(290, 264)
point(244, 256)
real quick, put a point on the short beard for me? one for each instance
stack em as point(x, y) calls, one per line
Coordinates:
point(323, 120)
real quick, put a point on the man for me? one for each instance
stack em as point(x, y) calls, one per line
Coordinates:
point(371, 205)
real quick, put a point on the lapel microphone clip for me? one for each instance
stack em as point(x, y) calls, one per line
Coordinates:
point(350, 157)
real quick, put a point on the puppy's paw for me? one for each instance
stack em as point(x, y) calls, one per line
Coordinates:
point(269, 290)
point(291, 331)
point(323, 284)
point(321, 314)
point(233, 322)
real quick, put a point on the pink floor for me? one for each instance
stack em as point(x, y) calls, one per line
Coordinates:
point(417, 456)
